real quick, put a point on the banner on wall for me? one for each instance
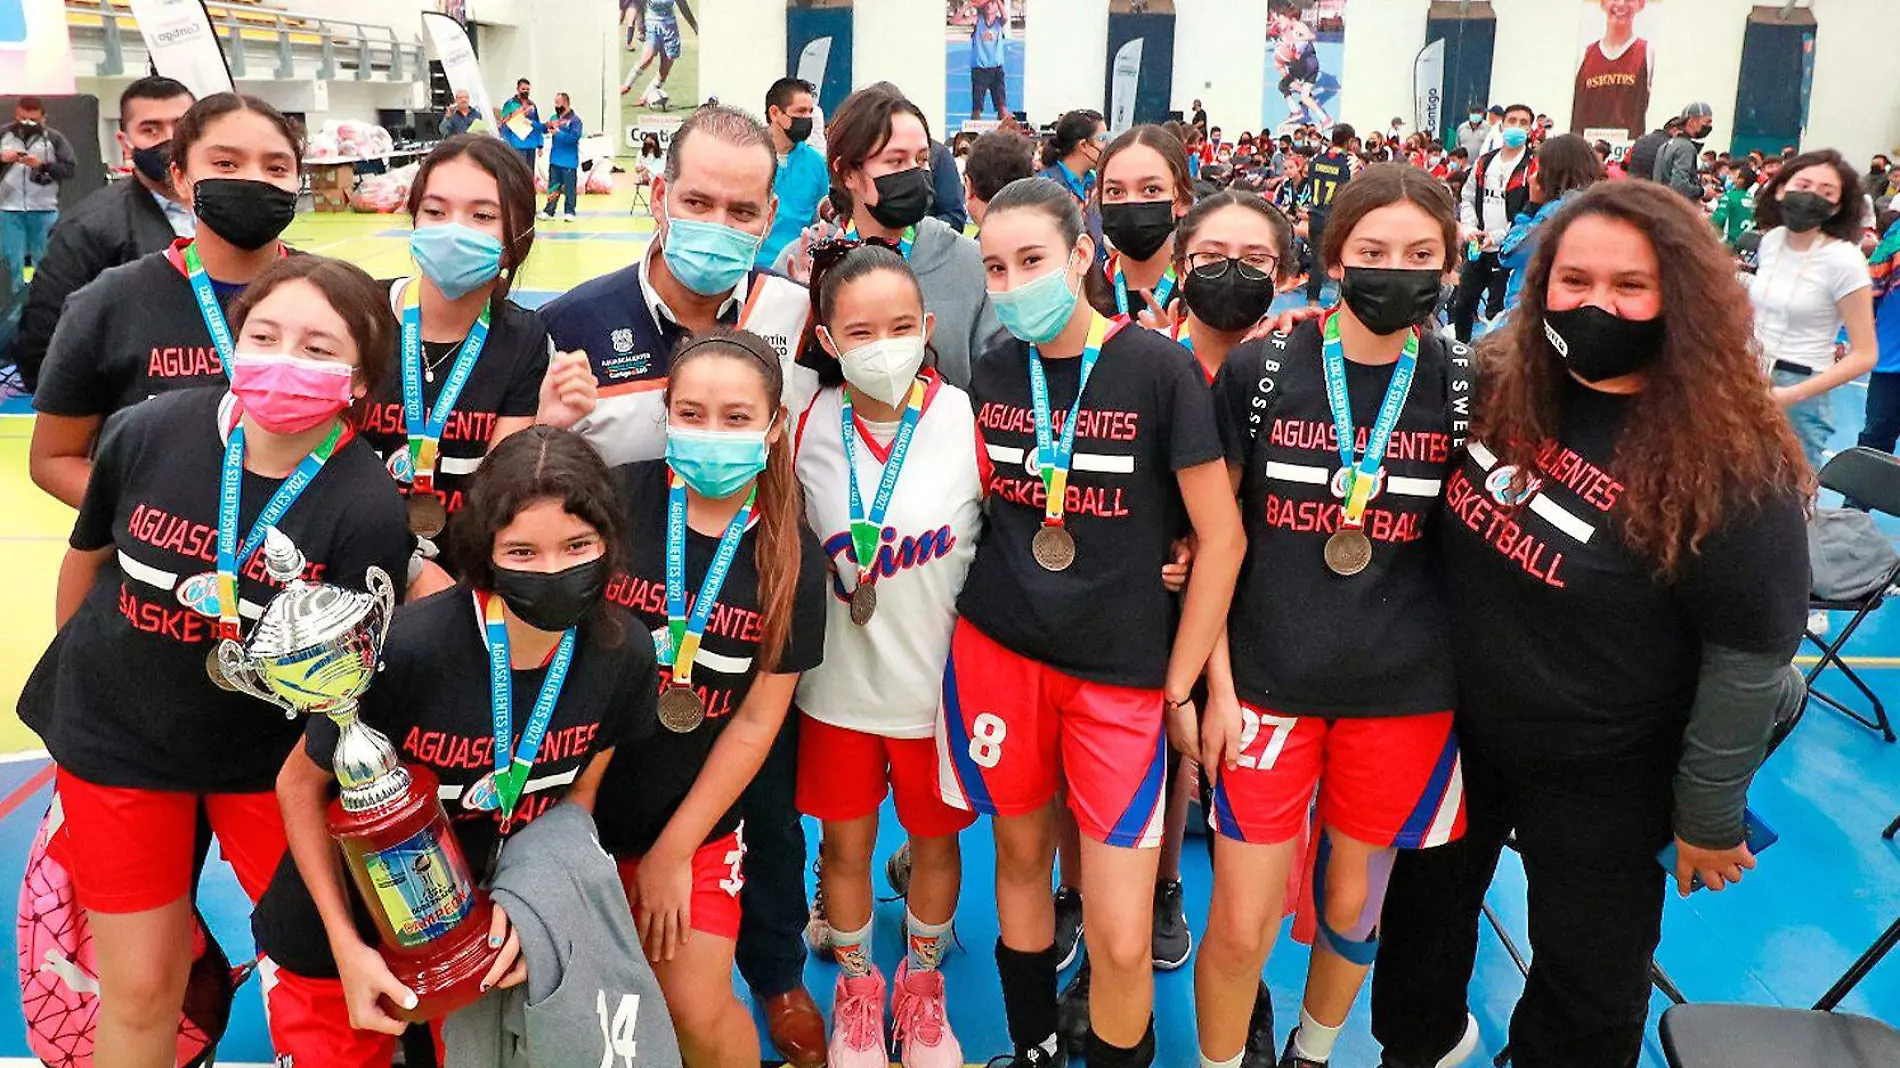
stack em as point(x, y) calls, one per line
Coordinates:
point(1428, 88)
point(183, 46)
point(983, 59)
point(449, 43)
point(36, 56)
point(662, 63)
point(1614, 72)
point(1306, 59)
point(818, 36)
point(1125, 82)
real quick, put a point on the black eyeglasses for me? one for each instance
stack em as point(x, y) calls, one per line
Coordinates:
point(1261, 266)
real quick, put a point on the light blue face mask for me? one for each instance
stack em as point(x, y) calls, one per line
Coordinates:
point(458, 259)
point(1036, 311)
point(715, 463)
point(708, 258)
point(1516, 137)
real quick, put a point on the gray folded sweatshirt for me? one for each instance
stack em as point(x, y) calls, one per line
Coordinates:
point(590, 999)
point(949, 269)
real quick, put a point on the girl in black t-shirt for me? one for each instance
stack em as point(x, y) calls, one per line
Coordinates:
point(164, 564)
point(154, 324)
point(472, 364)
point(1229, 253)
point(1626, 567)
point(723, 572)
point(541, 535)
point(1061, 666)
point(1332, 679)
point(1144, 191)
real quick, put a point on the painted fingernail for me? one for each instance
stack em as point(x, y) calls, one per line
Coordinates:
point(494, 941)
point(410, 1002)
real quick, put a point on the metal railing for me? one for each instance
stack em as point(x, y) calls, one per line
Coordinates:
point(252, 32)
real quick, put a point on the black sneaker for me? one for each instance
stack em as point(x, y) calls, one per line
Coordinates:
point(1072, 1011)
point(1173, 942)
point(1068, 925)
point(1259, 1052)
point(1033, 1057)
point(1289, 1060)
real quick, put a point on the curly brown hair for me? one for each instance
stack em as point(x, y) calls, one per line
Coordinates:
point(1705, 437)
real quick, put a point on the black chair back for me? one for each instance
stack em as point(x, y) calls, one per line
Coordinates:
point(1866, 475)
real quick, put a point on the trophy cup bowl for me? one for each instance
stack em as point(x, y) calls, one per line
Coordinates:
point(315, 650)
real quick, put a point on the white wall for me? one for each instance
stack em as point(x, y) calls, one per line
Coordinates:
point(1220, 61)
point(743, 50)
point(898, 41)
point(1065, 57)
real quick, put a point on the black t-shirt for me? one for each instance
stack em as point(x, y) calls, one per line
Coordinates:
point(1330, 171)
point(1307, 641)
point(431, 699)
point(645, 786)
point(132, 333)
point(1566, 644)
point(125, 700)
point(1146, 416)
point(505, 383)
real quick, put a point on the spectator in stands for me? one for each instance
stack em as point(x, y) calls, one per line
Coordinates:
point(460, 117)
point(115, 225)
point(564, 158)
point(946, 182)
point(528, 143)
point(1498, 190)
point(801, 182)
point(996, 159)
point(1676, 161)
point(1640, 162)
point(1199, 117)
point(1472, 131)
point(1735, 209)
point(34, 160)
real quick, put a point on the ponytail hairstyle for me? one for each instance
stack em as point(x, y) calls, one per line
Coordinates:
point(1098, 288)
point(514, 185)
point(834, 266)
point(1072, 129)
point(1045, 195)
point(781, 508)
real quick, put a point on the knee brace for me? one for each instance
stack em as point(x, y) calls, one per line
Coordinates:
point(1360, 944)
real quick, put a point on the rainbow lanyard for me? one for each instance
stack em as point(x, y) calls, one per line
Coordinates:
point(513, 762)
point(1365, 470)
point(230, 487)
point(1055, 455)
point(866, 531)
point(425, 429)
point(208, 307)
point(685, 631)
point(905, 240)
point(1163, 290)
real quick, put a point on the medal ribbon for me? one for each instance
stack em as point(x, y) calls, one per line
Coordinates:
point(865, 532)
point(1052, 455)
point(1365, 470)
point(230, 484)
point(513, 762)
point(208, 307)
point(686, 631)
point(1162, 291)
point(425, 430)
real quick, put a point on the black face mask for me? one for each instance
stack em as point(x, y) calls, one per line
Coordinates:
point(1387, 300)
point(27, 130)
point(1597, 346)
point(247, 213)
point(1139, 229)
point(154, 163)
point(903, 198)
point(1805, 211)
point(799, 130)
point(552, 601)
point(1230, 297)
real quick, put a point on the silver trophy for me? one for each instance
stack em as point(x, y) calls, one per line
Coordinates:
point(315, 651)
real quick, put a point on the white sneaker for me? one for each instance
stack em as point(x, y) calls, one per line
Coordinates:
point(1467, 1045)
point(569, 217)
point(1819, 623)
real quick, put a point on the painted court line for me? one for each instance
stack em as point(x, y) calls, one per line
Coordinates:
point(25, 790)
point(22, 756)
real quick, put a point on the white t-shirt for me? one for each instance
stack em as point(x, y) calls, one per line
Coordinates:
point(1497, 179)
point(886, 678)
point(1797, 297)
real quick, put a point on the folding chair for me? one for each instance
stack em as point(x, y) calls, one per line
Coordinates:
point(1786, 719)
point(1760, 1036)
point(1872, 478)
point(640, 201)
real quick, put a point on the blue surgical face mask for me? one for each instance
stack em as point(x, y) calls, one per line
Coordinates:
point(458, 259)
point(1516, 137)
point(715, 463)
point(708, 258)
point(1037, 310)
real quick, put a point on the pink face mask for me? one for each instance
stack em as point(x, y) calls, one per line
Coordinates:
point(290, 394)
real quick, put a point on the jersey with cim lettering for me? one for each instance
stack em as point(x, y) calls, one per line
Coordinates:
point(1612, 93)
point(886, 677)
point(1305, 640)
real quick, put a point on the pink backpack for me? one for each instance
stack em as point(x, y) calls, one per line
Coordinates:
point(59, 988)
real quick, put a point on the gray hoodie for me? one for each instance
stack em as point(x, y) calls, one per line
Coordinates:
point(950, 270)
point(590, 998)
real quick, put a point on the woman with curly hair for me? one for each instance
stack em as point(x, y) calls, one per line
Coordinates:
point(1626, 566)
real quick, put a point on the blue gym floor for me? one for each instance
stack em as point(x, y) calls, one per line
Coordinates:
point(1781, 937)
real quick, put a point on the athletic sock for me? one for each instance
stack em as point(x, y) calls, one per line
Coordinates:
point(853, 950)
point(1140, 1055)
point(1314, 1040)
point(926, 942)
point(1029, 994)
point(1231, 1062)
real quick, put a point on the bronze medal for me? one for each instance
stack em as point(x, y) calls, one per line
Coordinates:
point(1348, 551)
point(681, 710)
point(215, 671)
point(863, 602)
point(1053, 548)
point(427, 515)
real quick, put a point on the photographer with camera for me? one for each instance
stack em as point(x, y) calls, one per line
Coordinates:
point(34, 159)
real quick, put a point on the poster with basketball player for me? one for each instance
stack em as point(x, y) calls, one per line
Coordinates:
point(1617, 65)
point(983, 62)
point(1306, 60)
point(661, 64)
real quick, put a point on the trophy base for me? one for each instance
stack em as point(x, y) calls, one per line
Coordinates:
point(446, 975)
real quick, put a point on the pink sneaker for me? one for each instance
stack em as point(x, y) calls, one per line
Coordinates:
point(857, 1023)
point(922, 1028)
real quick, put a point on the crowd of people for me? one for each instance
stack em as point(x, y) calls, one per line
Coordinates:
point(825, 499)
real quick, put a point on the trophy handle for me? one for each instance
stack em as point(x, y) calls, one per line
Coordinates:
point(243, 677)
point(381, 588)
